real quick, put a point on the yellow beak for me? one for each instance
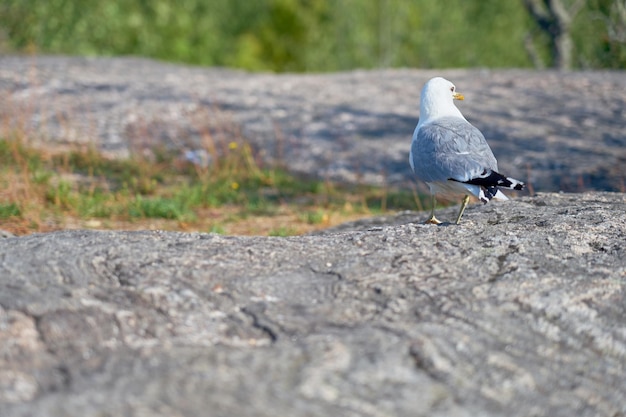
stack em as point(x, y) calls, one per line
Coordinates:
point(458, 96)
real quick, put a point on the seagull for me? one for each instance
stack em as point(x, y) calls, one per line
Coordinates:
point(450, 155)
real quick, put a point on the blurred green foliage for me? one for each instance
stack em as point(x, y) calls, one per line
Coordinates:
point(600, 34)
point(302, 35)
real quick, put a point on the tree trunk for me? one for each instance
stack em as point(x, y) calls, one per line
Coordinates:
point(562, 51)
point(555, 19)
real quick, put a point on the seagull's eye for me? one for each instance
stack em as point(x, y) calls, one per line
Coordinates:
point(452, 89)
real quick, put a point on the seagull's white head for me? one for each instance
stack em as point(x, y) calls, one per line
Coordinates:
point(437, 100)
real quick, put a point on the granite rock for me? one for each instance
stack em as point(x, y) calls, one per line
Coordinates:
point(518, 311)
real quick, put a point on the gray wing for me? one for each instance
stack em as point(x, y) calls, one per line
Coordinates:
point(450, 148)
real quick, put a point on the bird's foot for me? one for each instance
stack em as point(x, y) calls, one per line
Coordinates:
point(432, 220)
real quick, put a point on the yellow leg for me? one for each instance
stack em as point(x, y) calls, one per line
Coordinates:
point(432, 219)
point(463, 205)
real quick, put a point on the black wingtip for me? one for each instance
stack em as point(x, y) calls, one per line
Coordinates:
point(490, 178)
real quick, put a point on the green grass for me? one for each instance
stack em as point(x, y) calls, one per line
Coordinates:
point(282, 231)
point(9, 210)
point(44, 190)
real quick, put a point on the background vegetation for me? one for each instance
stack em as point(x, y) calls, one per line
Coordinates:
point(315, 35)
point(47, 189)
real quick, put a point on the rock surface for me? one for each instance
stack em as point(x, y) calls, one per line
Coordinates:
point(519, 311)
point(556, 131)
